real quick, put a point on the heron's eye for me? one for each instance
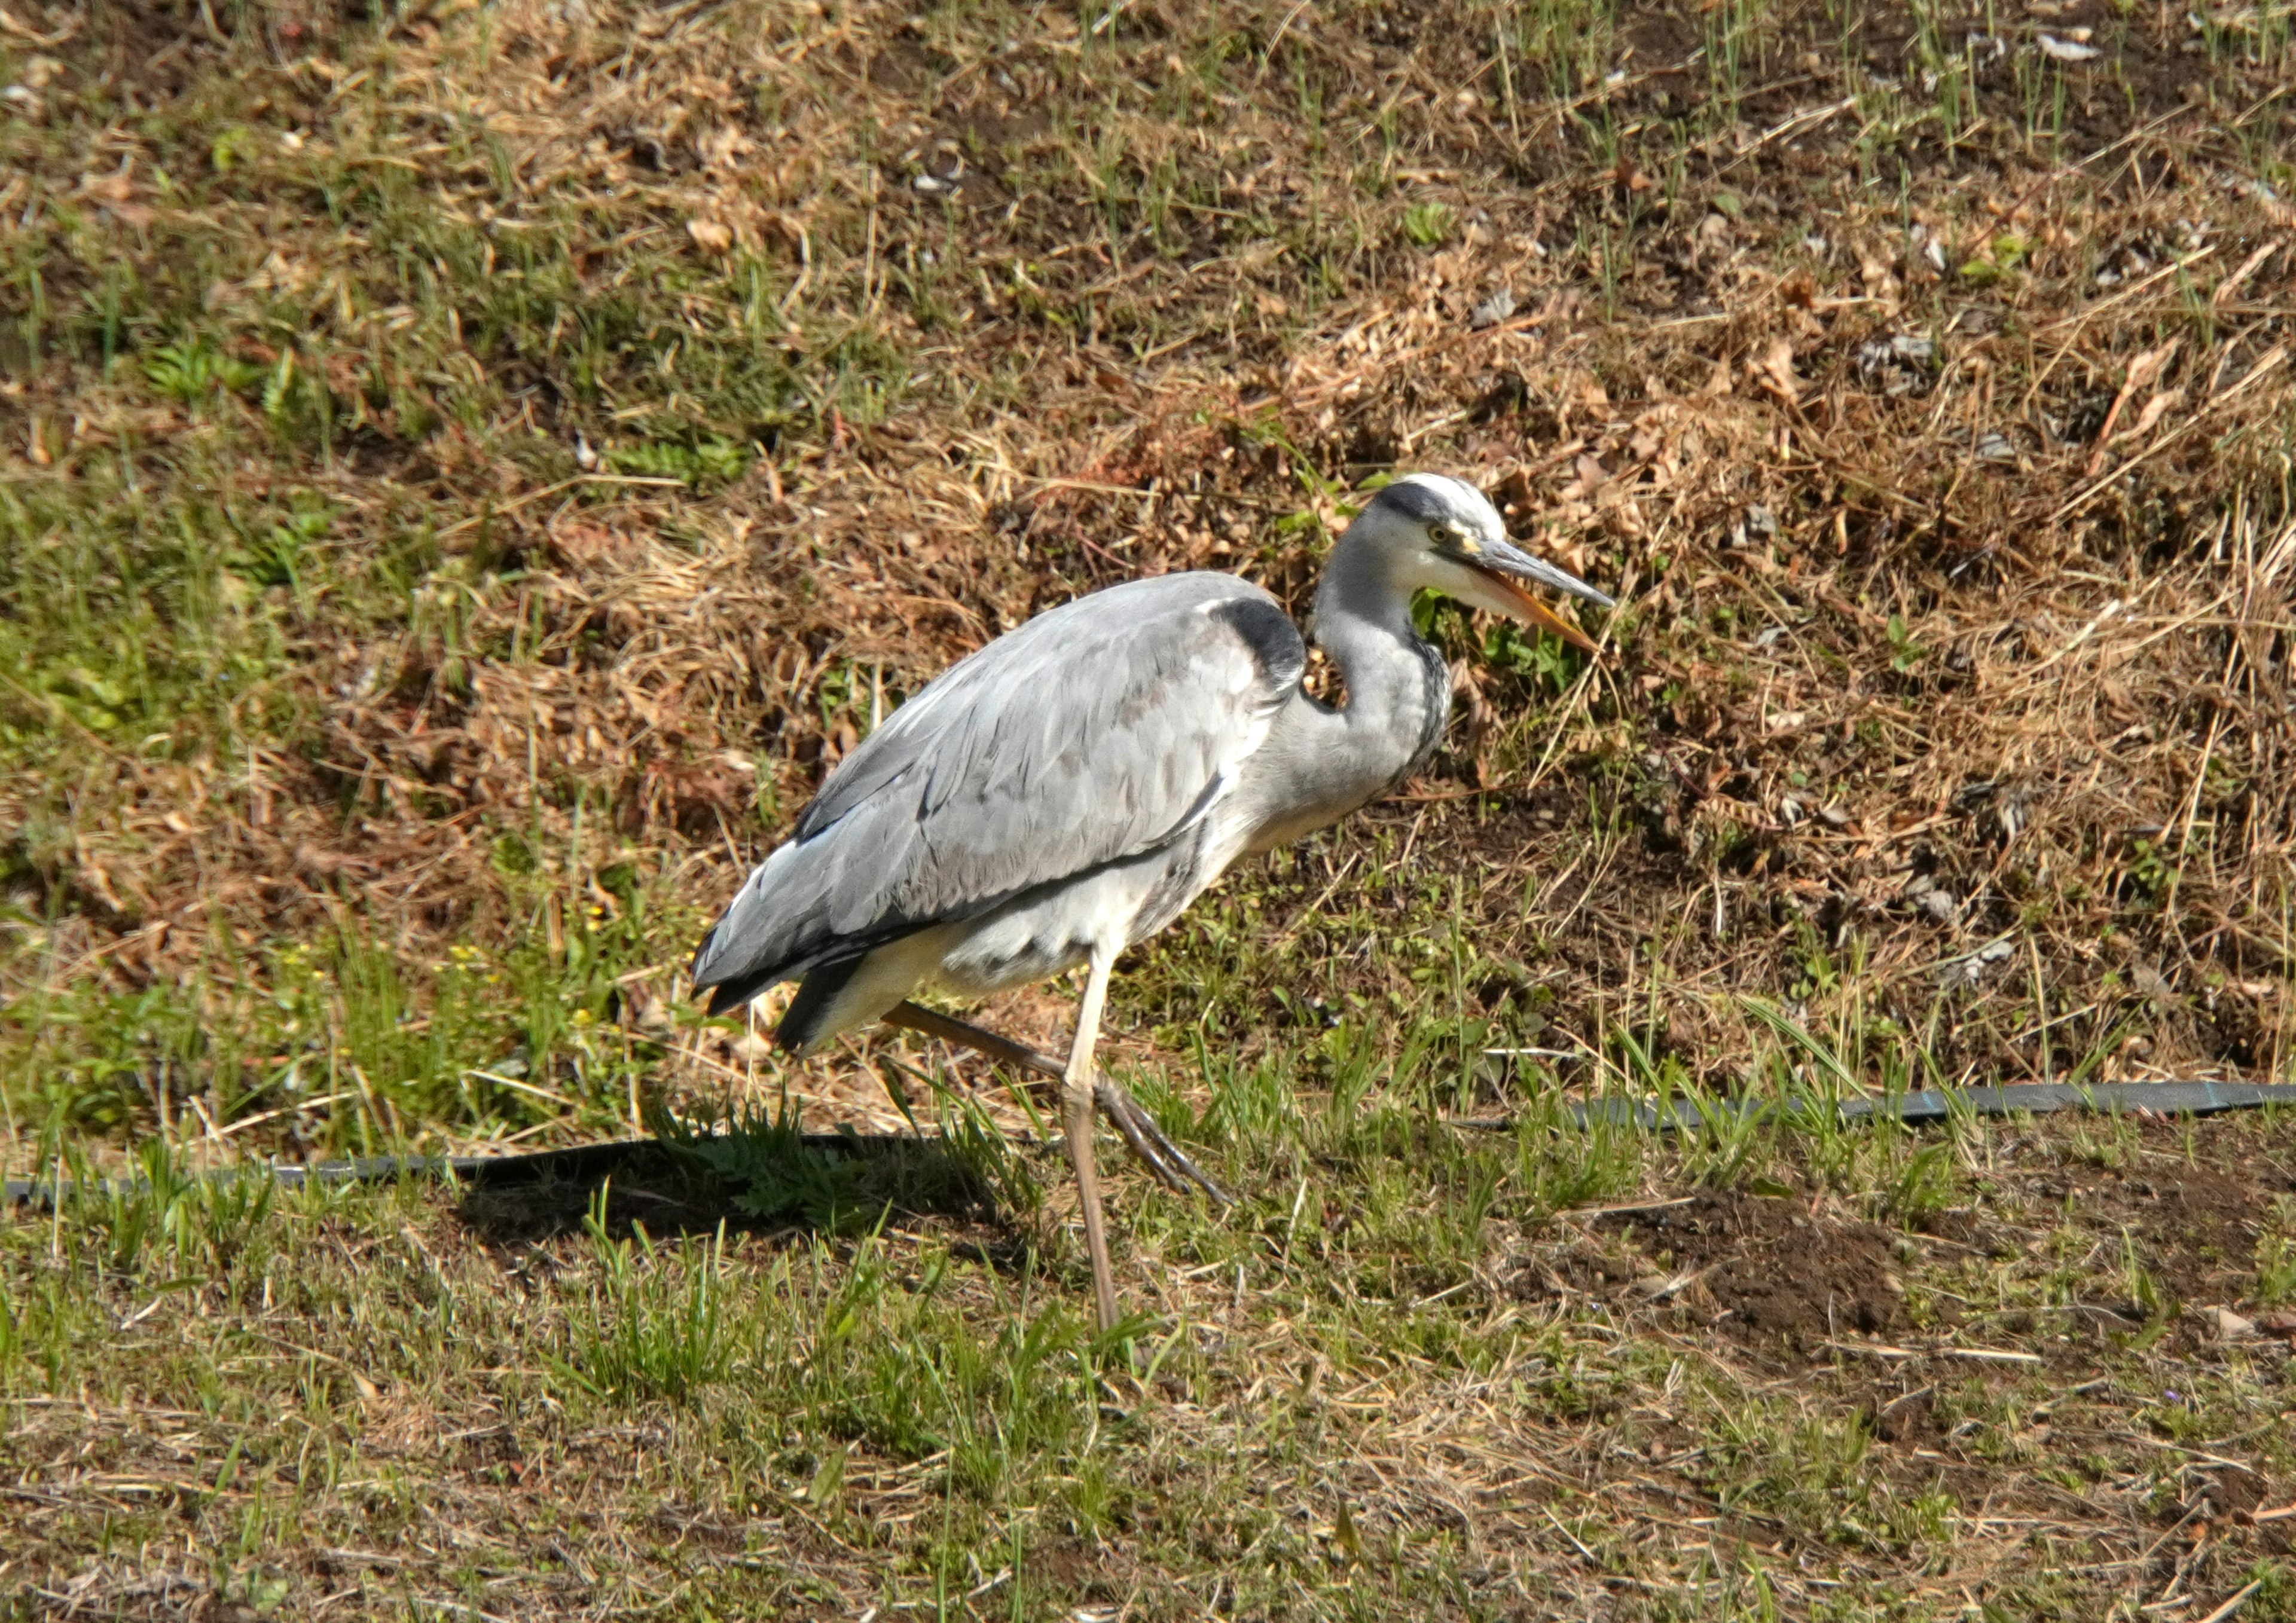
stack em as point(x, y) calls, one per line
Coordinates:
point(1443, 532)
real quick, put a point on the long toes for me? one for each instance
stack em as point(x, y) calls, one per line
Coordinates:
point(1127, 1117)
point(1170, 1165)
point(1195, 1174)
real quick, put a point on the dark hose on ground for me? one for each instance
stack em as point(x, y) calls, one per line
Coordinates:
point(582, 1162)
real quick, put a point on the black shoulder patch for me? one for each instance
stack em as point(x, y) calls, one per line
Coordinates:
point(1270, 635)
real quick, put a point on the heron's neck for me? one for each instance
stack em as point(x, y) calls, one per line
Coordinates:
point(1363, 620)
point(1322, 763)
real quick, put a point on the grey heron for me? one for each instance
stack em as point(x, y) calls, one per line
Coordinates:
point(1063, 793)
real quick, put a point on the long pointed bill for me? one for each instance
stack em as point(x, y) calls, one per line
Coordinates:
point(1539, 614)
point(1511, 570)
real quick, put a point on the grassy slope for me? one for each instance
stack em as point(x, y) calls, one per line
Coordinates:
point(464, 471)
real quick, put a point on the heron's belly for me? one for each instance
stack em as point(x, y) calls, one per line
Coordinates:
point(1056, 928)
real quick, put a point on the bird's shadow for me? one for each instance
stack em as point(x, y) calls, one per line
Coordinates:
point(822, 1183)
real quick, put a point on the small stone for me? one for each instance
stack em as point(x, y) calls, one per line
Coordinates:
point(1970, 969)
point(1492, 310)
point(2226, 1324)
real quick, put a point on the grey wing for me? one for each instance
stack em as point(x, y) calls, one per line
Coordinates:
point(1096, 731)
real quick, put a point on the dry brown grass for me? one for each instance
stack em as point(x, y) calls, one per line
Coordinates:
point(2095, 629)
point(1960, 585)
point(659, 411)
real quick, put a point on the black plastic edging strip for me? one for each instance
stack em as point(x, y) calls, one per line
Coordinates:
point(1942, 1105)
point(580, 1162)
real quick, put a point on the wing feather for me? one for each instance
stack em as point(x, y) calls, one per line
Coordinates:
point(1096, 731)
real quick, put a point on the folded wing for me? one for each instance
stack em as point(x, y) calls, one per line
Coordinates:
point(1096, 731)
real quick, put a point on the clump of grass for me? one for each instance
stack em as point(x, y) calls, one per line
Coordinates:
point(1427, 224)
point(660, 1324)
point(2276, 1265)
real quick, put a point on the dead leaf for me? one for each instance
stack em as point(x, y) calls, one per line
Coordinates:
point(116, 187)
point(2152, 984)
point(2159, 405)
point(1775, 372)
point(715, 235)
point(2150, 364)
point(721, 149)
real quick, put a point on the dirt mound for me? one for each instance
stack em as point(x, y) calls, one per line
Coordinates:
point(1772, 1270)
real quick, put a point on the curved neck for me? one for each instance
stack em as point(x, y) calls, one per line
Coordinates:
point(1399, 689)
point(1363, 613)
point(1321, 763)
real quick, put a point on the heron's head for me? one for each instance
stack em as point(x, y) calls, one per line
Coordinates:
point(1444, 534)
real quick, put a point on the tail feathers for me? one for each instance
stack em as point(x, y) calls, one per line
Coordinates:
point(693, 970)
point(750, 945)
point(779, 927)
point(728, 996)
point(809, 1011)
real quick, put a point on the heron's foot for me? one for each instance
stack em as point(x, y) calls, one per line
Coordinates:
point(1166, 1162)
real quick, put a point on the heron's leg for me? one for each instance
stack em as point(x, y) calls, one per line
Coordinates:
point(1169, 1163)
point(1075, 1114)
